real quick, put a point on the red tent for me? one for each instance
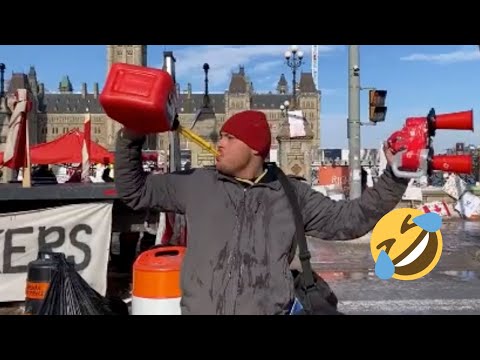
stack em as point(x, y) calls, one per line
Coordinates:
point(66, 149)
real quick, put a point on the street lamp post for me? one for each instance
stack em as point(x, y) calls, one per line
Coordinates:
point(284, 125)
point(284, 108)
point(294, 59)
point(206, 101)
point(2, 79)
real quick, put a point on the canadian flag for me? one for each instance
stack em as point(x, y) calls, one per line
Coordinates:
point(439, 207)
point(86, 149)
point(15, 154)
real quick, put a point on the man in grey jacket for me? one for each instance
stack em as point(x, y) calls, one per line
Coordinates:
point(240, 224)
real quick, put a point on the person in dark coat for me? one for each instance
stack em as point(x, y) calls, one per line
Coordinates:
point(106, 175)
point(240, 226)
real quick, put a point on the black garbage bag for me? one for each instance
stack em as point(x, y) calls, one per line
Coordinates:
point(70, 294)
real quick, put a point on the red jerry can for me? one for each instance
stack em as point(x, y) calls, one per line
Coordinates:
point(142, 99)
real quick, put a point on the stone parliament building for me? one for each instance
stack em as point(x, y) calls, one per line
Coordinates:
point(58, 112)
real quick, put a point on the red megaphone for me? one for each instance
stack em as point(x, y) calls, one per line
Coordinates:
point(459, 164)
point(462, 120)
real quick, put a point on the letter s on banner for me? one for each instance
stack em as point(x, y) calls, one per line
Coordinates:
point(81, 231)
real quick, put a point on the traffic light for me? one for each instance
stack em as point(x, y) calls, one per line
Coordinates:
point(378, 110)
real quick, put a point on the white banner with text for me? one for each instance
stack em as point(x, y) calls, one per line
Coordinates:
point(81, 231)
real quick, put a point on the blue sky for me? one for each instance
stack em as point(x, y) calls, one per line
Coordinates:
point(417, 78)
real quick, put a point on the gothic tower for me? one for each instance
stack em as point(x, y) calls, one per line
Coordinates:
point(130, 54)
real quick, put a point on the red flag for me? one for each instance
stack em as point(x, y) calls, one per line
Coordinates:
point(15, 155)
point(175, 232)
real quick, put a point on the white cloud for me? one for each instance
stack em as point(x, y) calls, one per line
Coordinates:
point(463, 54)
point(265, 66)
point(223, 59)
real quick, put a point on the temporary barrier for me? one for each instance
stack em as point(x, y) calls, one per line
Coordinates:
point(156, 281)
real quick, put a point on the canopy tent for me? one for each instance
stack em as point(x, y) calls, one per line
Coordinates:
point(66, 149)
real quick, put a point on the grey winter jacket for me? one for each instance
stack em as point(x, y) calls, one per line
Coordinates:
point(239, 236)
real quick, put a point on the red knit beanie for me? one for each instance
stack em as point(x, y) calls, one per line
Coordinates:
point(252, 128)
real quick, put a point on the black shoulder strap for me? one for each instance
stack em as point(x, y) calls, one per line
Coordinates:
point(299, 238)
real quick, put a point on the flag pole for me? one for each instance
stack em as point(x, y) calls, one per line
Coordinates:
point(27, 170)
point(86, 147)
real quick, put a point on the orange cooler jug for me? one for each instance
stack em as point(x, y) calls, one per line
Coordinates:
point(142, 99)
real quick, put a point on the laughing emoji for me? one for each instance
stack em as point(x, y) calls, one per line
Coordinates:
point(406, 244)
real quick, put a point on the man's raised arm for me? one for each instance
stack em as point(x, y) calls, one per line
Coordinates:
point(344, 220)
point(140, 190)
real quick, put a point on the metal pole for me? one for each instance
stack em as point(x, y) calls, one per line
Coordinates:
point(174, 143)
point(294, 83)
point(2, 80)
point(354, 142)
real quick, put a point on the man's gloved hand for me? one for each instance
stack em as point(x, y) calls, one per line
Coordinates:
point(389, 153)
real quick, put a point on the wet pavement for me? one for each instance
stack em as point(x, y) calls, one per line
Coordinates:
point(453, 287)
